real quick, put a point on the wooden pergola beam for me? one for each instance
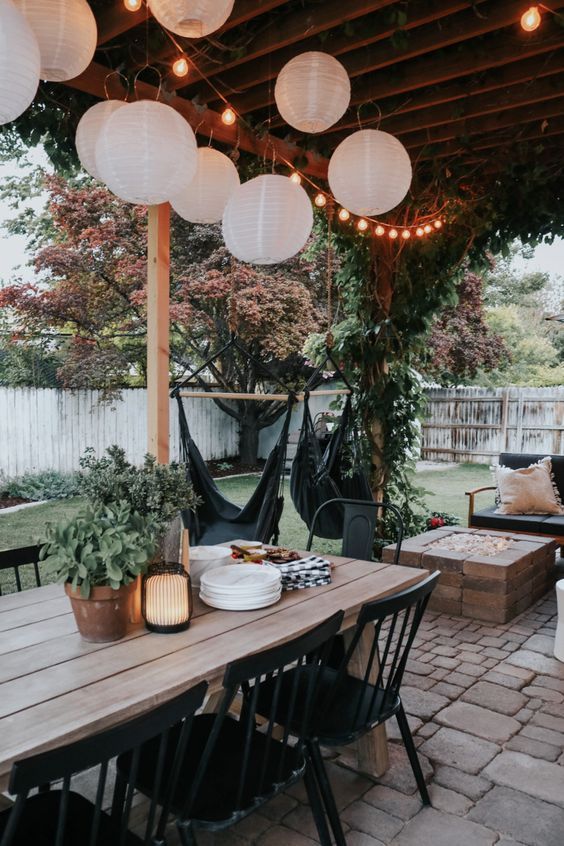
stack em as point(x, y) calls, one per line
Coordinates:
point(158, 328)
point(536, 132)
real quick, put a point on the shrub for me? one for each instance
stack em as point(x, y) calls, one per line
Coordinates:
point(48, 484)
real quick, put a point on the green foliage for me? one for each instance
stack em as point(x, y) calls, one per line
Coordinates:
point(48, 484)
point(108, 545)
point(436, 519)
point(154, 490)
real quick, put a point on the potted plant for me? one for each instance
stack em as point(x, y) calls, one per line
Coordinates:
point(99, 554)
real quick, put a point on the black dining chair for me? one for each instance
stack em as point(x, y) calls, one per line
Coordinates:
point(16, 560)
point(360, 521)
point(64, 817)
point(351, 706)
point(232, 766)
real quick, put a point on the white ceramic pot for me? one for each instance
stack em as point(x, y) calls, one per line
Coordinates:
point(204, 558)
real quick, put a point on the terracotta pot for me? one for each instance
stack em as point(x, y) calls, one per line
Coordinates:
point(104, 616)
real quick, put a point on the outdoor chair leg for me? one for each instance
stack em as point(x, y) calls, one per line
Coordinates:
point(327, 793)
point(186, 832)
point(118, 799)
point(316, 805)
point(412, 755)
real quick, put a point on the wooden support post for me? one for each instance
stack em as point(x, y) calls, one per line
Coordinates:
point(158, 352)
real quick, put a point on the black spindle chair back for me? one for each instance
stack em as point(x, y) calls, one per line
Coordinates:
point(63, 817)
point(361, 520)
point(20, 560)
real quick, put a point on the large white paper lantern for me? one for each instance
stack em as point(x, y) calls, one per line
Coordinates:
point(191, 18)
point(141, 150)
point(370, 172)
point(66, 32)
point(88, 132)
point(203, 200)
point(19, 62)
point(313, 91)
point(267, 220)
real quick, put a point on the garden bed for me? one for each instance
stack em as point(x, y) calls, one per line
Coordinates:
point(223, 467)
point(10, 501)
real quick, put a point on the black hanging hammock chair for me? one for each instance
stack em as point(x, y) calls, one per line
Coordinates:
point(337, 471)
point(217, 519)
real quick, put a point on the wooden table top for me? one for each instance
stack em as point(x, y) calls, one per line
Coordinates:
point(56, 687)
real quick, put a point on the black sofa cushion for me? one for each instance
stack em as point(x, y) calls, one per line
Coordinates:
point(532, 523)
point(554, 525)
point(516, 461)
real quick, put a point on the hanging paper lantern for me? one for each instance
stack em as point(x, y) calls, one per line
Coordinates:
point(313, 91)
point(370, 172)
point(88, 132)
point(267, 220)
point(19, 62)
point(191, 18)
point(204, 198)
point(66, 32)
point(142, 148)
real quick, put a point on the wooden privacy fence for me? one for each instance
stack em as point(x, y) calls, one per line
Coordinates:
point(476, 424)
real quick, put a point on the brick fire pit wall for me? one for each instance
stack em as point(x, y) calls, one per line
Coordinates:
point(495, 587)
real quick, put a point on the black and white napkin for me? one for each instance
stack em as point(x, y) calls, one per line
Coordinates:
point(307, 572)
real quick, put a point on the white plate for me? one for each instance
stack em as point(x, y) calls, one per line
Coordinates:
point(233, 605)
point(240, 579)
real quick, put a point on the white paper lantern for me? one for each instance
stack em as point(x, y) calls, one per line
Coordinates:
point(142, 148)
point(88, 132)
point(19, 62)
point(370, 172)
point(66, 32)
point(203, 200)
point(267, 220)
point(312, 92)
point(191, 18)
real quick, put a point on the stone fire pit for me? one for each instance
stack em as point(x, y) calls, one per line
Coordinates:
point(486, 575)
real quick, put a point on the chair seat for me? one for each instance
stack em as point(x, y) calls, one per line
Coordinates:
point(217, 800)
point(488, 519)
point(38, 823)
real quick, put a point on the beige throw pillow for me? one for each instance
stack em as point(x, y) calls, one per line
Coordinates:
point(529, 490)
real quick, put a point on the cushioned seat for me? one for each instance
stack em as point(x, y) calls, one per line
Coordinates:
point(532, 523)
point(554, 525)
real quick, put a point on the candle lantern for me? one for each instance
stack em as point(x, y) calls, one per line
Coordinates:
point(167, 598)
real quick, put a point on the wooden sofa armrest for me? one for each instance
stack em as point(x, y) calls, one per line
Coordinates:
point(471, 494)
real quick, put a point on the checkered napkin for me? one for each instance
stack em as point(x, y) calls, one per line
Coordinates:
point(307, 572)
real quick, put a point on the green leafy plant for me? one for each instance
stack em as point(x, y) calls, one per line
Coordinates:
point(154, 490)
point(224, 466)
point(441, 518)
point(109, 545)
point(49, 484)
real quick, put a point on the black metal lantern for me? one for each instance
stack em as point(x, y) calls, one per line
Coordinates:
point(167, 598)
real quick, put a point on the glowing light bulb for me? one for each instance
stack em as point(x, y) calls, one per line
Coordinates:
point(320, 201)
point(379, 230)
point(438, 224)
point(406, 234)
point(180, 67)
point(393, 234)
point(427, 228)
point(132, 5)
point(419, 231)
point(296, 178)
point(531, 19)
point(228, 117)
point(362, 225)
point(344, 214)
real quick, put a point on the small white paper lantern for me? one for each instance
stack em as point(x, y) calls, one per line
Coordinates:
point(88, 132)
point(66, 32)
point(19, 62)
point(267, 220)
point(191, 18)
point(370, 172)
point(203, 200)
point(142, 148)
point(313, 91)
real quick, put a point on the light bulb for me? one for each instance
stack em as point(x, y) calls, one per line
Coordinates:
point(406, 234)
point(132, 5)
point(344, 214)
point(531, 19)
point(362, 225)
point(427, 228)
point(180, 67)
point(419, 231)
point(296, 178)
point(393, 234)
point(438, 224)
point(379, 230)
point(320, 200)
point(228, 117)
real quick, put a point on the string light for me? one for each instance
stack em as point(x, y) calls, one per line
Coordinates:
point(362, 225)
point(296, 178)
point(419, 231)
point(393, 234)
point(180, 67)
point(531, 19)
point(406, 234)
point(344, 215)
point(427, 228)
point(228, 116)
point(132, 5)
point(379, 230)
point(438, 224)
point(320, 200)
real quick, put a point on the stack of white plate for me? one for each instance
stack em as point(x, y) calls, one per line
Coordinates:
point(241, 587)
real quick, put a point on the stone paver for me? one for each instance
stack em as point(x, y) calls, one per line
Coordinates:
point(511, 812)
point(461, 750)
point(495, 697)
point(362, 816)
point(421, 703)
point(434, 828)
point(530, 775)
point(471, 786)
point(479, 721)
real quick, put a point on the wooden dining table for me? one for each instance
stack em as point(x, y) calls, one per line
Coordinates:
point(56, 687)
